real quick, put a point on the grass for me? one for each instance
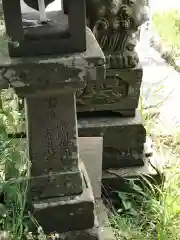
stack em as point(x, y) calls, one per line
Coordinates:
point(15, 217)
point(156, 212)
point(151, 210)
point(167, 25)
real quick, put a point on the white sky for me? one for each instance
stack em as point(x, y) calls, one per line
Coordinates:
point(56, 5)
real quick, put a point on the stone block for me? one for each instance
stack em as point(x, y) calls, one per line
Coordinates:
point(101, 230)
point(123, 139)
point(63, 214)
point(119, 92)
point(118, 179)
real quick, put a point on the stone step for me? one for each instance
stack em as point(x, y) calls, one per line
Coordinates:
point(67, 213)
point(101, 230)
point(118, 179)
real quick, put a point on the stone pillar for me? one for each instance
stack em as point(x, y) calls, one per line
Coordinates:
point(53, 150)
point(59, 187)
point(60, 192)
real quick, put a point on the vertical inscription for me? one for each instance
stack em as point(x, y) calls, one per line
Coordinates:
point(58, 133)
point(49, 149)
point(53, 134)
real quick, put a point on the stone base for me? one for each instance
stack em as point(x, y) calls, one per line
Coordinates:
point(119, 92)
point(100, 231)
point(67, 213)
point(118, 179)
point(87, 234)
point(123, 139)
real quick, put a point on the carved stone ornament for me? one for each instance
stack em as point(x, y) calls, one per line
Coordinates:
point(119, 92)
point(114, 24)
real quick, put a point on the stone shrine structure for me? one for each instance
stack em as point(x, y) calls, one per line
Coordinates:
point(115, 25)
point(60, 192)
point(105, 103)
point(108, 107)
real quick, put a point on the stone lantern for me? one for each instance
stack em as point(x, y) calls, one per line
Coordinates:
point(37, 32)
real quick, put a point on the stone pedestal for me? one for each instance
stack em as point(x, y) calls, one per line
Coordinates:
point(123, 139)
point(60, 192)
point(118, 93)
point(115, 26)
point(67, 213)
point(107, 108)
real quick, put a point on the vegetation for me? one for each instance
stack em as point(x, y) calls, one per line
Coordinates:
point(167, 26)
point(150, 209)
point(14, 165)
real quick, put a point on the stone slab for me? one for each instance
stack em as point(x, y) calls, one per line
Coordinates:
point(117, 178)
point(115, 158)
point(90, 151)
point(123, 139)
point(67, 213)
point(119, 92)
point(101, 230)
point(131, 157)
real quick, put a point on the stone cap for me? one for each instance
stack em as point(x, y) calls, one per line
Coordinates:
point(47, 72)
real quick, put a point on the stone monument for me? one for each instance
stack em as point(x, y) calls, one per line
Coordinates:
point(108, 107)
point(60, 192)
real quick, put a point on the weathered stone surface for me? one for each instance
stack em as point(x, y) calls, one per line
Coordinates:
point(67, 213)
point(101, 231)
point(52, 140)
point(118, 179)
point(115, 25)
point(123, 139)
point(55, 184)
point(53, 129)
point(119, 158)
point(44, 72)
point(59, 189)
point(119, 92)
